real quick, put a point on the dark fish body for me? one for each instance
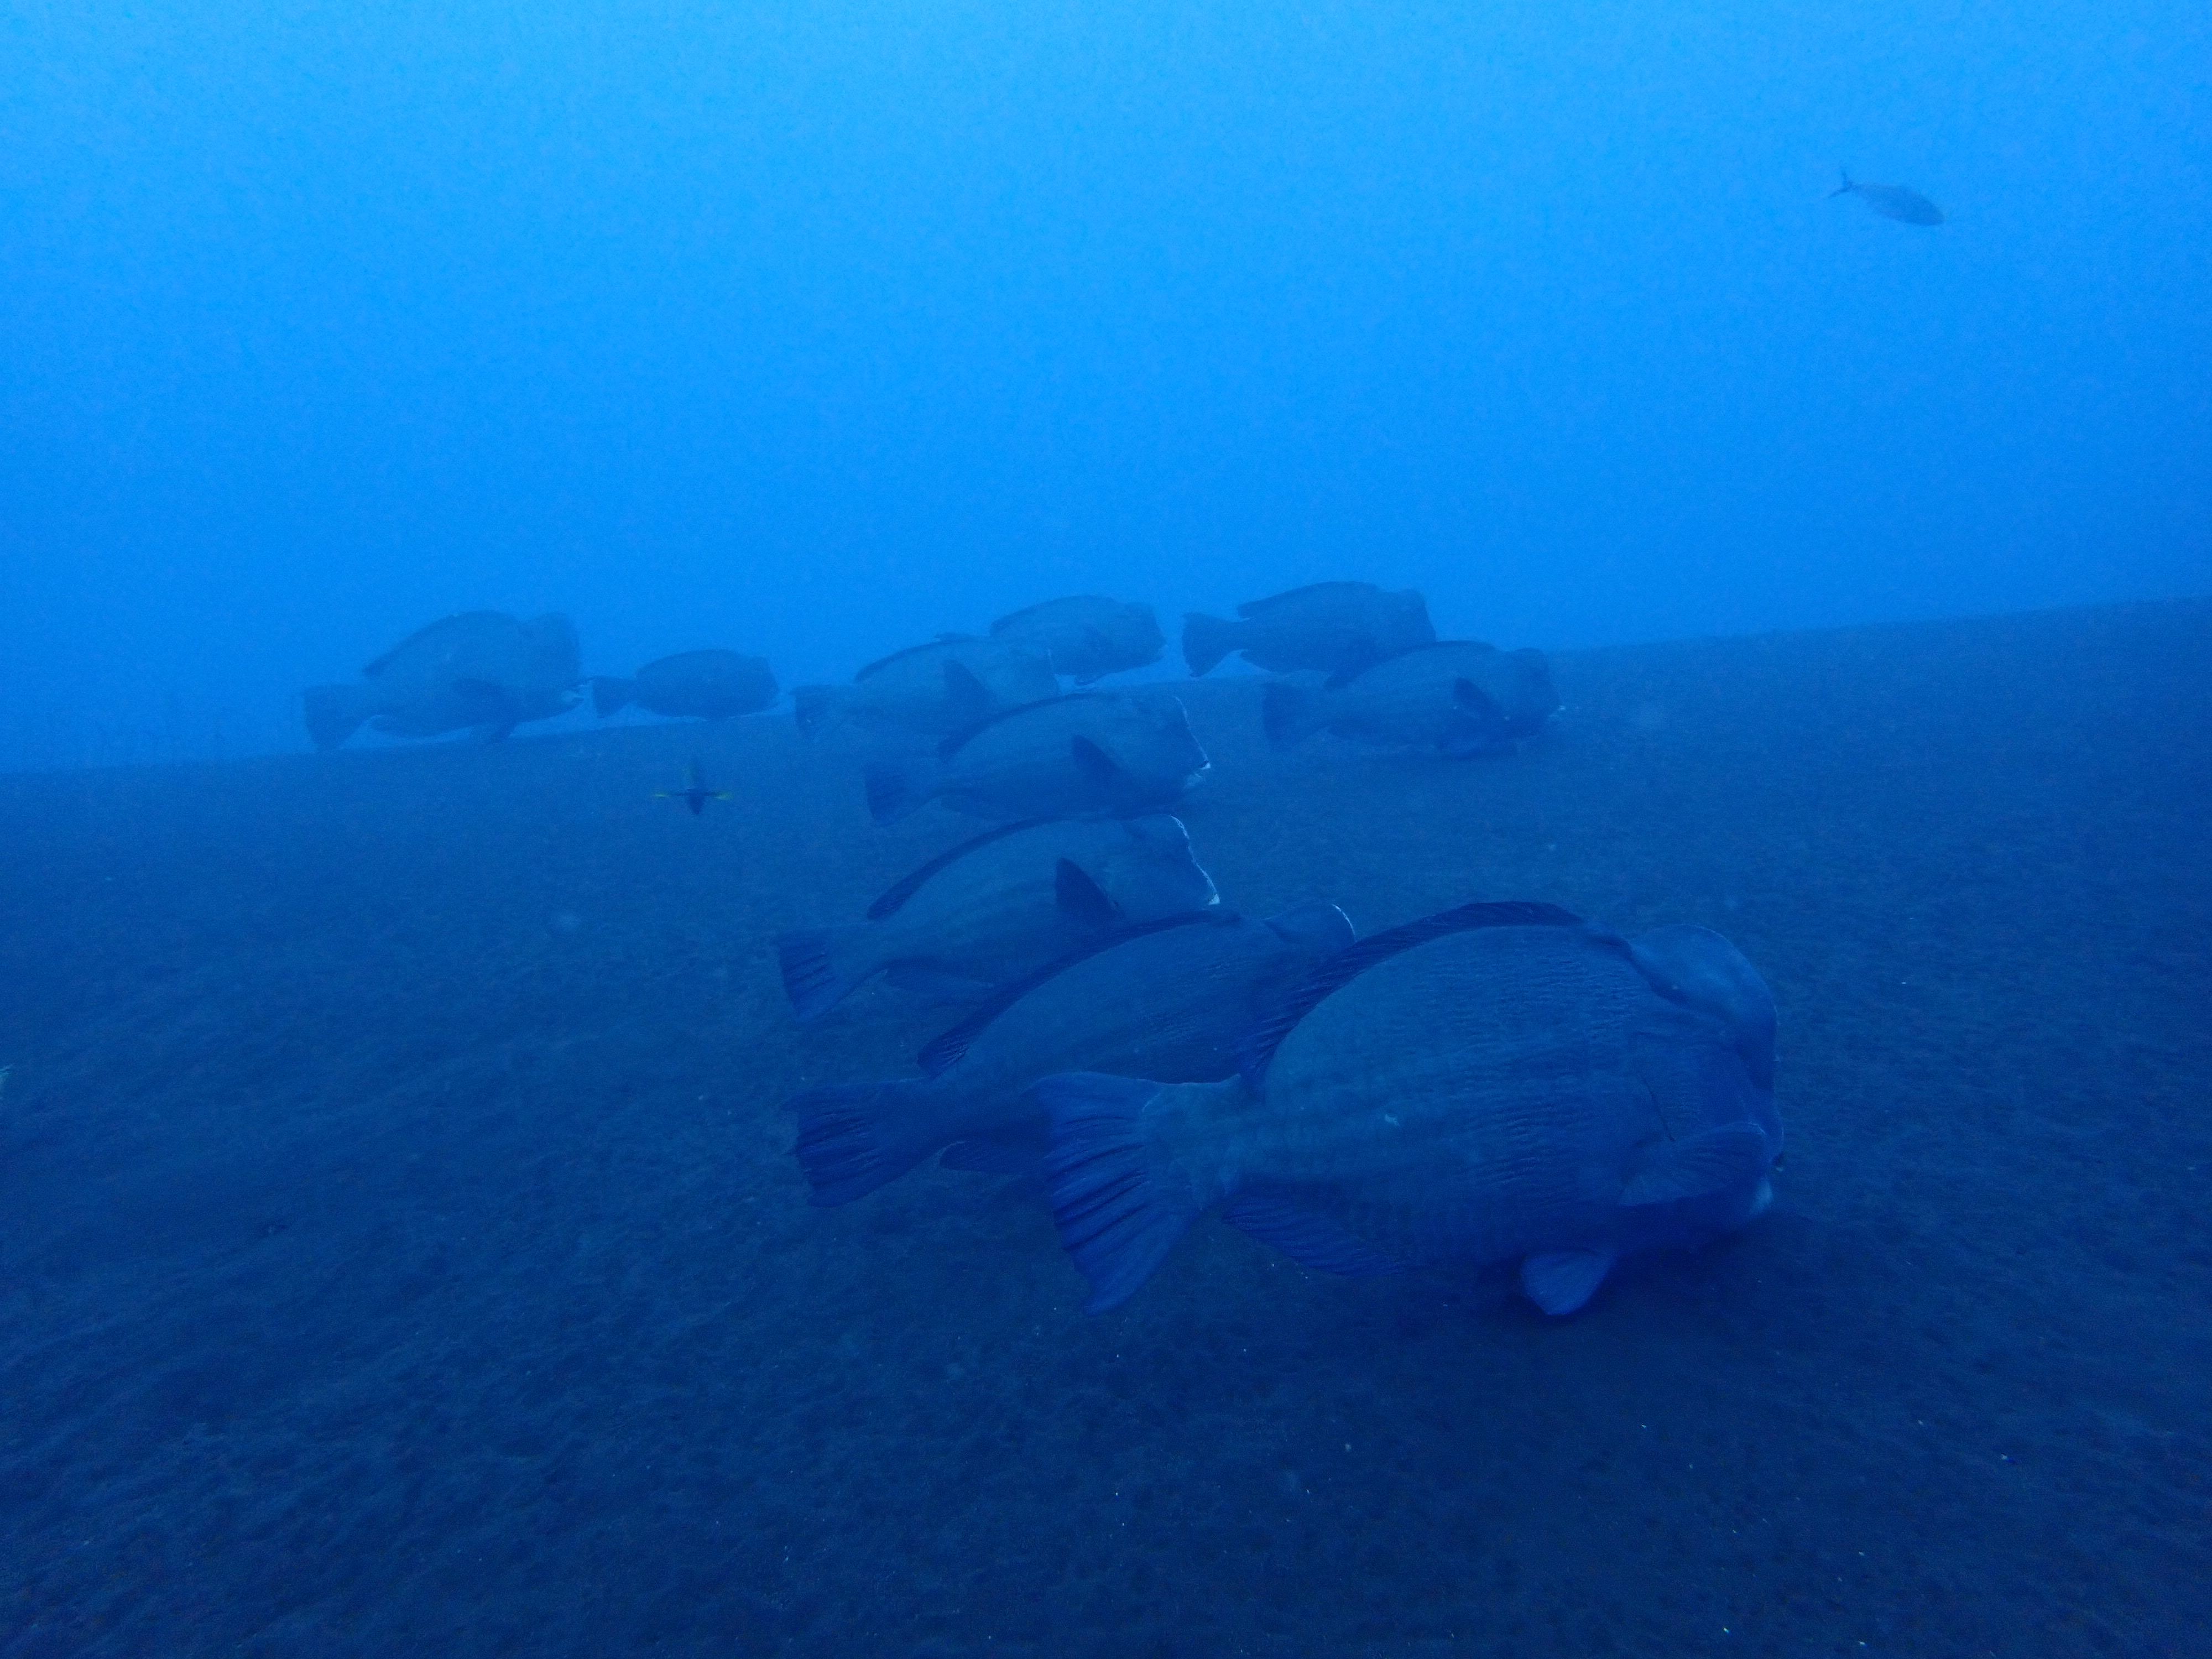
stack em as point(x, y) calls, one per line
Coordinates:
point(936, 690)
point(1461, 697)
point(1496, 1084)
point(1330, 627)
point(1065, 757)
point(1001, 906)
point(479, 669)
point(1171, 998)
point(1897, 201)
point(703, 684)
point(1085, 637)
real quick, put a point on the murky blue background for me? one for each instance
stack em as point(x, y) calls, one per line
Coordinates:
point(812, 329)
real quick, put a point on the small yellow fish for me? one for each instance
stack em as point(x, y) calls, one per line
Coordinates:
point(695, 794)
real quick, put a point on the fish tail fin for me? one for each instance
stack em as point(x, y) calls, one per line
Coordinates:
point(334, 713)
point(1207, 640)
point(1291, 712)
point(897, 789)
point(609, 694)
point(1117, 1219)
point(1846, 187)
point(817, 708)
point(856, 1137)
point(818, 972)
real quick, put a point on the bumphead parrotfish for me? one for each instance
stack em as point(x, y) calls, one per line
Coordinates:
point(481, 669)
point(1067, 756)
point(1001, 906)
point(1498, 1082)
point(1463, 696)
point(938, 689)
point(1169, 997)
point(704, 685)
point(1330, 627)
point(1085, 637)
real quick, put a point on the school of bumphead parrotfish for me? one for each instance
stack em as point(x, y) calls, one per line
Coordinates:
point(1502, 1084)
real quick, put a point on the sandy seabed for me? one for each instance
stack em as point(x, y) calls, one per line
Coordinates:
point(401, 1252)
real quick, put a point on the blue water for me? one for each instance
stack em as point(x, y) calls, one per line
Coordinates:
point(812, 330)
point(401, 1249)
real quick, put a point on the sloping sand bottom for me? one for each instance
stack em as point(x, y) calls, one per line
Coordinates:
point(400, 1251)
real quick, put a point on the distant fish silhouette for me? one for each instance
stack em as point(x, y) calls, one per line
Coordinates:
point(1894, 201)
point(695, 793)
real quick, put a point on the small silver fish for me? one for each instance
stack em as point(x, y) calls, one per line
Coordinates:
point(1897, 201)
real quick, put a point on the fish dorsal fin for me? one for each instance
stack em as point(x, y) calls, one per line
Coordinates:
point(945, 1049)
point(1080, 898)
point(1560, 1281)
point(1290, 596)
point(1013, 617)
point(372, 670)
point(913, 882)
point(959, 740)
point(1094, 762)
point(1307, 1237)
point(1258, 1045)
point(937, 644)
point(1699, 1166)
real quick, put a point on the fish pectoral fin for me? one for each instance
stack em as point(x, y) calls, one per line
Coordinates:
point(1466, 695)
point(1560, 1281)
point(1116, 1218)
point(1082, 899)
point(1307, 1237)
point(1094, 762)
point(1709, 1162)
point(971, 702)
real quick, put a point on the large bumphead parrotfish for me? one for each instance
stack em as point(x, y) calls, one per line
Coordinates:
point(479, 669)
point(705, 685)
point(1329, 626)
point(1463, 696)
point(1065, 757)
point(934, 690)
point(1085, 637)
point(1170, 998)
point(999, 906)
point(1899, 202)
point(1498, 1082)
